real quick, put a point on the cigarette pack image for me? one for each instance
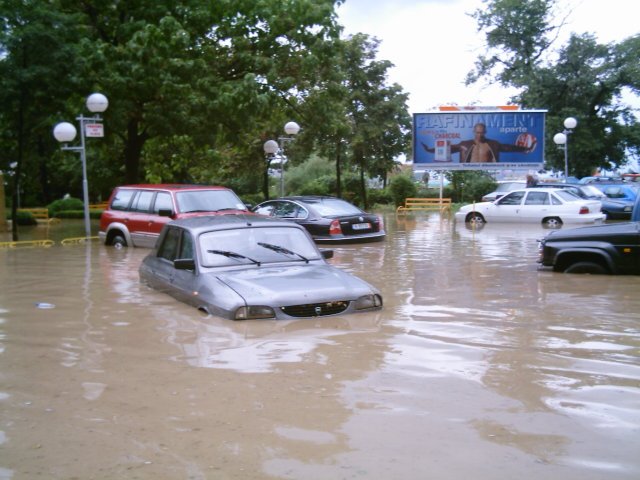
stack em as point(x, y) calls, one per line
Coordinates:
point(442, 151)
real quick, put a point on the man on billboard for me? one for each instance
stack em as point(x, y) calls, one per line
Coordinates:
point(485, 150)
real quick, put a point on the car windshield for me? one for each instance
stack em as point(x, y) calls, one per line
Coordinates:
point(208, 201)
point(246, 246)
point(334, 208)
point(592, 191)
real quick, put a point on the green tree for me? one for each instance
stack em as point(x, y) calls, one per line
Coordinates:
point(582, 79)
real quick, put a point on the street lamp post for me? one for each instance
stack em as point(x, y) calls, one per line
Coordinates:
point(271, 147)
point(562, 140)
point(65, 132)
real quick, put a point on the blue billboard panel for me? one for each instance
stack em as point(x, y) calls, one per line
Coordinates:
point(479, 140)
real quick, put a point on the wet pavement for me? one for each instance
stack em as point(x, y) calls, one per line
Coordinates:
point(479, 366)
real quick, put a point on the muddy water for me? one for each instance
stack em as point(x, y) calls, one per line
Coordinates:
point(479, 366)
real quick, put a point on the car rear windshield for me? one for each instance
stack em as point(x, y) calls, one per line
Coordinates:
point(334, 208)
point(208, 201)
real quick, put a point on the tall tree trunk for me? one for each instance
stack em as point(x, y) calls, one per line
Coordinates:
point(132, 152)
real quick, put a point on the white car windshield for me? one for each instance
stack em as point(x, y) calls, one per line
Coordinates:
point(208, 201)
point(246, 246)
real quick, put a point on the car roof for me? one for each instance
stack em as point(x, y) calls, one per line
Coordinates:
point(173, 186)
point(310, 198)
point(207, 223)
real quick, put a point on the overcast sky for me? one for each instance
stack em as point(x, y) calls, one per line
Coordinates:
point(433, 43)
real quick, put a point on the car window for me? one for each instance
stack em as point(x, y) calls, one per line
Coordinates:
point(513, 198)
point(186, 246)
point(555, 200)
point(329, 207)
point(591, 191)
point(287, 210)
point(208, 201)
point(613, 192)
point(142, 203)
point(537, 198)
point(567, 196)
point(168, 249)
point(265, 209)
point(163, 202)
point(122, 199)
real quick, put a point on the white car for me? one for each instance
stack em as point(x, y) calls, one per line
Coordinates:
point(550, 207)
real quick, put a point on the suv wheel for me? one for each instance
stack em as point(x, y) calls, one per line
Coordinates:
point(586, 267)
point(118, 242)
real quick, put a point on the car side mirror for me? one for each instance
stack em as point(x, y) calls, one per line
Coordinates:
point(327, 254)
point(165, 212)
point(184, 264)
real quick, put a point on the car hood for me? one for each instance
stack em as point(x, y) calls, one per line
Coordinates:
point(594, 231)
point(294, 285)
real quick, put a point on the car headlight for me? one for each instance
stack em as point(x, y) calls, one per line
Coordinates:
point(253, 312)
point(368, 301)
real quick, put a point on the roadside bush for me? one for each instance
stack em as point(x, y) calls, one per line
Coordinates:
point(380, 197)
point(78, 214)
point(401, 187)
point(64, 204)
point(23, 218)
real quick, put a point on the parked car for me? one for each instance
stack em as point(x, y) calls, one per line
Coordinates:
point(551, 207)
point(614, 209)
point(601, 249)
point(504, 187)
point(249, 267)
point(328, 219)
point(619, 199)
point(136, 213)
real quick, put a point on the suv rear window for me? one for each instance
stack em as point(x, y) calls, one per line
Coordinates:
point(122, 199)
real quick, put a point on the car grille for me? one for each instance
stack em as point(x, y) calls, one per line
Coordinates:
point(316, 309)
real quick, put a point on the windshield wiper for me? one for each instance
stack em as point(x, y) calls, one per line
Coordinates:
point(280, 249)
point(233, 255)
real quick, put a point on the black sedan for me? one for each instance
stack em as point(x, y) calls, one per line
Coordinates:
point(327, 219)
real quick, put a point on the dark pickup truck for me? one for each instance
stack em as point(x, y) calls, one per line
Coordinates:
point(605, 249)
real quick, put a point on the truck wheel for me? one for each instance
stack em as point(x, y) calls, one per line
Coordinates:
point(586, 267)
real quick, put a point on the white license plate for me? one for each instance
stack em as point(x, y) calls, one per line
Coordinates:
point(361, 226)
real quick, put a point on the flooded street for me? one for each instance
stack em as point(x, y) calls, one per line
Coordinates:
point(479, 366)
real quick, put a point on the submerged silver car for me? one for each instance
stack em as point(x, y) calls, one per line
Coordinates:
point(248, 267)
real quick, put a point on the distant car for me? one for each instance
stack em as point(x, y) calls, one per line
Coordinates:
point(137, 213)
point(619, 200)
point(550, 207)
point(602, 249)
point(504, 187)
point(599, 180)
point(328, 219)
point(250, 267)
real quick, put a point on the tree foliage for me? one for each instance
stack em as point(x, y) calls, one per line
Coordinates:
point(195, 88)
point(582, 79)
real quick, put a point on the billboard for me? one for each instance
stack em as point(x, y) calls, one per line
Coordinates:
point(479, 140)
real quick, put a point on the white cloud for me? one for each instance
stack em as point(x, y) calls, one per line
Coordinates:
point(434, 43)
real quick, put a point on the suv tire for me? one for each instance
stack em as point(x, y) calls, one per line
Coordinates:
point(586, 267)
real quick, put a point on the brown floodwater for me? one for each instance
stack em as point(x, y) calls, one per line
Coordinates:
point(479, 366)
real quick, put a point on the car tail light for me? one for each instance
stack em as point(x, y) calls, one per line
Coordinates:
point(334, 228)
point(381, 222)
point(583, 210)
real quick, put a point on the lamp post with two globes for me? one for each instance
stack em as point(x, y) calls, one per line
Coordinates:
point(271, 147)
point(65, 132)
point(562, 140)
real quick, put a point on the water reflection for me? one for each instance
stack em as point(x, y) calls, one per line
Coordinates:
point(477, 354)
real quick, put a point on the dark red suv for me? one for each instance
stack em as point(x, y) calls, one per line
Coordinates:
point(136, 213)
